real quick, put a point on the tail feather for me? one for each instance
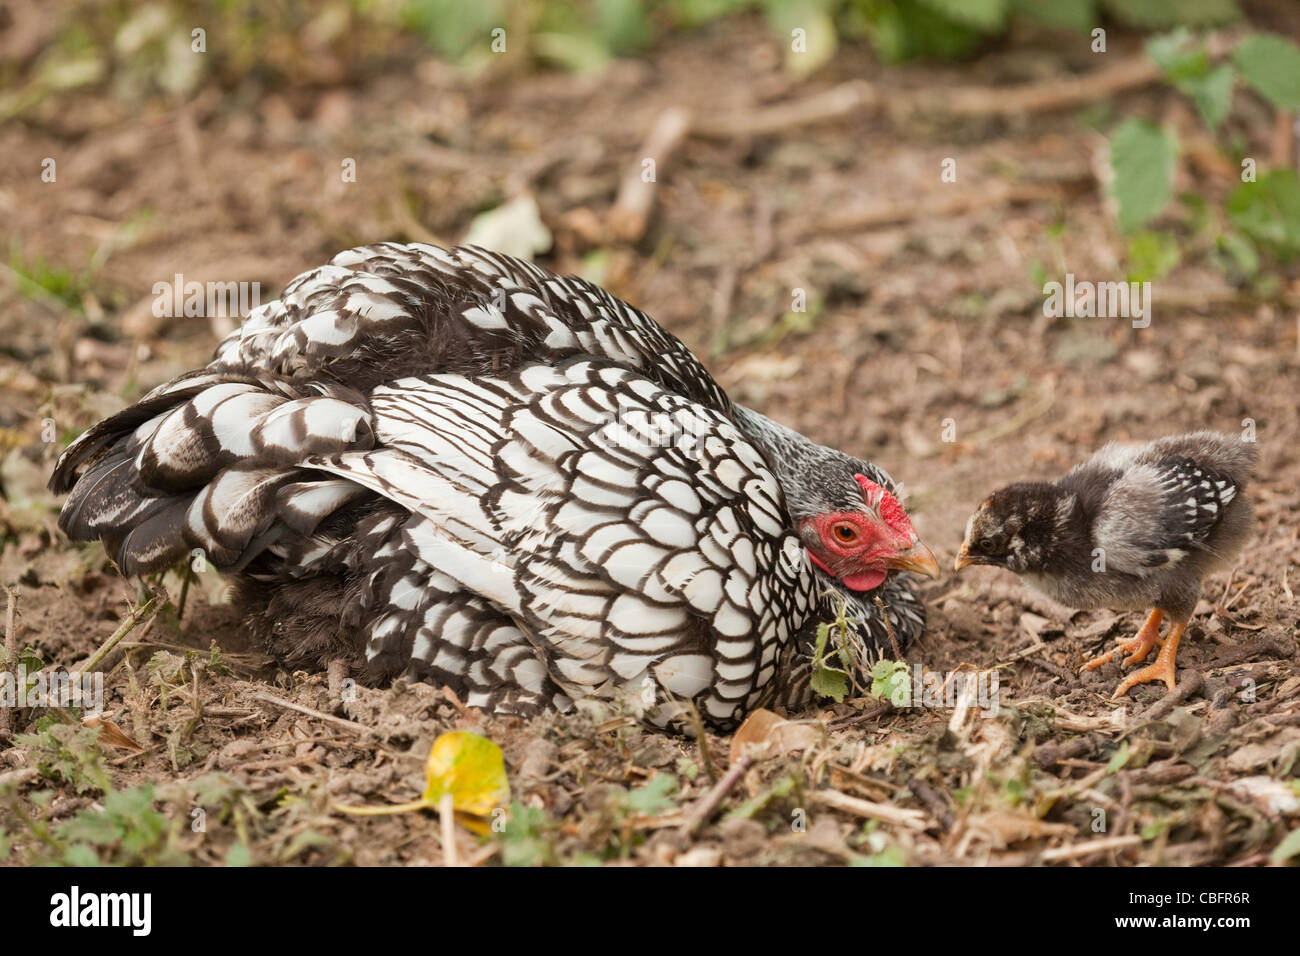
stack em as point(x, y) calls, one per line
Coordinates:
point(214, 462)
point(152, 543)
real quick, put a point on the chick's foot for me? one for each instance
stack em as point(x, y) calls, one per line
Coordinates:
point(1137, 648)
point(1162, 669)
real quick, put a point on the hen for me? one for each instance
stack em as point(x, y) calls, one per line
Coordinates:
point(458, 467)
point(1134, 527)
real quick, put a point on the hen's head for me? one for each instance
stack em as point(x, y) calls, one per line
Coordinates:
point(861, 533)
point(844, 509)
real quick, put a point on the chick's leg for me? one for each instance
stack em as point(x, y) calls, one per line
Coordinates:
point(1137, 648)
point(1162, 669)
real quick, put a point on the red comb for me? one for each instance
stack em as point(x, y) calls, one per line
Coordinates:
point(891, 512)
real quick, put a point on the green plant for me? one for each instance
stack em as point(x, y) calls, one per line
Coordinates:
point(826, 678)
point(66, 753)
point(528, 837)
point(1261, 217)
point(37, 279)
point(892, 681)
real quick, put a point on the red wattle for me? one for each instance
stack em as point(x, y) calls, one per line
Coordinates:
point(865, 580)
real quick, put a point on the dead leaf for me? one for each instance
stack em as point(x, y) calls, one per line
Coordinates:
point(515, 229)
point(1260, 754)
point(1005, 827)
point(764, 735)
point(111, 733)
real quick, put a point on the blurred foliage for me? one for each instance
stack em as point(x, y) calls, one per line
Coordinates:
point(586, 35)
point(1261, 217)
point(1142, 158)
point(897, 29)
point(175, 47)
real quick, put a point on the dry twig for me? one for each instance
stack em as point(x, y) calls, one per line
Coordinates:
point(630, 214)
point(11, 653)
point(912, 819)
point(710, 802)
point(138, 616)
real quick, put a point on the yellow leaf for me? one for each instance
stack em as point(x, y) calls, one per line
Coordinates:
point(470, 768)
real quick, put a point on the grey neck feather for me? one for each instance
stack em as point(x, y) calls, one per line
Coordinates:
point(815, 479)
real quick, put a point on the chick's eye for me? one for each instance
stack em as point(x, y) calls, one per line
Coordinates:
point(845, 533)
point(984, 544)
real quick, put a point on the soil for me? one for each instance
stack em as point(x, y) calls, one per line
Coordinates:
point(925, 350)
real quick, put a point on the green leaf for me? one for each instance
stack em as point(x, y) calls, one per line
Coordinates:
point(653, 798)
point(1271, 64)
point(1161, 14)
point(524, 841)
point(1178, 55)
point(80, 855)
point(818, 40)
point(1232, 253)
point(239, 855)
point(1151, 255)
point(892, 681)
point(987, 16)
point(1268, 211)
point(1077, 15)
point(1186, 64)
point(1154, 829)
point(908, 31)
point(453, 27)
point(1289, 847)
point(624, 25)
point(95, 828)
point(572, 51)
point(1213, 95)
point(1142, 160)
point(1121, 757)
point(694, 13)
point(827, 681)
point(783, 787)
point(891, 856)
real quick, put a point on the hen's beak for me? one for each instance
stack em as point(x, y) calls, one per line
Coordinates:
point(918, 559)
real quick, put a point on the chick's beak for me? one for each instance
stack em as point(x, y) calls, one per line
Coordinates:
point(964, 558)
point(918, 559)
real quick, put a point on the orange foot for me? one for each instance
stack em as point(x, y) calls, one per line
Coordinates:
point(1137, 648)
point(1162, 669)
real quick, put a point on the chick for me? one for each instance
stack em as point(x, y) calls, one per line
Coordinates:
point(1134, 527)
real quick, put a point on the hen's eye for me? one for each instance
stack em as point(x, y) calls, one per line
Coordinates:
point(845, 533)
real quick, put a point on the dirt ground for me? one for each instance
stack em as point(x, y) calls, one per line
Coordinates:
point(927, 315)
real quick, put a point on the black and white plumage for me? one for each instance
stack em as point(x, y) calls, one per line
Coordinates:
point(458, 467)
point(1135, 526)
